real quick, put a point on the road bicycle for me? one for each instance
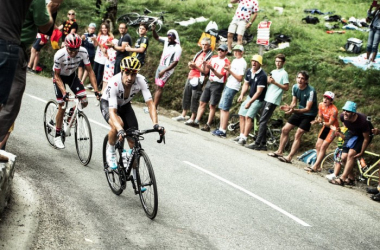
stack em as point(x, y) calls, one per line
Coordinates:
point(134, 19)
point(74, 118)
point(367, 173)
point(273, 130)
point(142, 177)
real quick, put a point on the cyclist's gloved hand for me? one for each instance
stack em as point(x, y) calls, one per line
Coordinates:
point(98, 95)
point(159, 128)
point(121, 134)
point(66, 97)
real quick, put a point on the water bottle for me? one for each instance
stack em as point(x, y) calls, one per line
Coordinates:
point(71, 112)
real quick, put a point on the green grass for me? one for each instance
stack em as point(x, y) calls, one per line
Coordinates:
point(311, 48)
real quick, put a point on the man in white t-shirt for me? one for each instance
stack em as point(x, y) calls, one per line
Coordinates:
point(278, 82)
point(236, 71)
point(241, 20)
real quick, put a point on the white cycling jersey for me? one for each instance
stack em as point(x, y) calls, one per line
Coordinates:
point(114, 93)
point(67, 64)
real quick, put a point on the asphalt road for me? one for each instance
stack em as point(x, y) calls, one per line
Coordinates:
point(213, 194)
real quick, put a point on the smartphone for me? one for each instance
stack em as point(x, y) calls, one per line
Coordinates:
point(374, 4)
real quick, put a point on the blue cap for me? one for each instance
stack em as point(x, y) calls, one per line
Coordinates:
point(350, 106)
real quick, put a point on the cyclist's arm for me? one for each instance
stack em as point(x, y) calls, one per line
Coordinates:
point(59, 82)
point(114, 119)
point(92, 76)
point(152, 111)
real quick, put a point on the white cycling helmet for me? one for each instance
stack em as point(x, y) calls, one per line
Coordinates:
point(329, 94)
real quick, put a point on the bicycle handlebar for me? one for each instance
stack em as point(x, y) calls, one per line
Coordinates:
point(132, 133)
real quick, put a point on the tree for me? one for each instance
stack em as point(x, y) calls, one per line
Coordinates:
point(110, 11)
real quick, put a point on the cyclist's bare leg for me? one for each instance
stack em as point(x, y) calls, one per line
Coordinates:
point(59, 116)
point(201, 110)
point(248, 125)
point(224, 119)
point(211, 114)
point(296, 143)
point(320, 154)
point(157, 95)
point(284, 138)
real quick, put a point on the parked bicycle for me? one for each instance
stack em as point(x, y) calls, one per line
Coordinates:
point(142, 177)
point(367, 173)
point(134, 19)
point(73, 118)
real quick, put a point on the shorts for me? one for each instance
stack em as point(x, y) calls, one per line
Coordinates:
point(125, 112)
point(81, 64)
point(37, 46)
point(162, 81)
point(252, 110)
point(74, 83)
point(191, 96)
point(227, 98)
point(326, 134)
point(301, 121)
point(212, 93)
point(237, 27)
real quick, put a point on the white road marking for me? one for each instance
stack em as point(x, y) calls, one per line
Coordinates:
point(91, 120)
point(250, 194)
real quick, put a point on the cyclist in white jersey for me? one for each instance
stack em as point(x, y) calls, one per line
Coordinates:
point(116, 107)
point(66, 61)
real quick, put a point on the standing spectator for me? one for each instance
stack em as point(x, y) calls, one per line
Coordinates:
point(89, 42)
point(109, 67)
point(355, 143)
point(374, 32)
point(241, 20)
point(214, 87)
point(141, 44)
point(236, 71)
point(278, 82)
point(302, 117)
point(194, 82)
point(38, 17)
point(70, 26)
point(11, 20)
point(125, 40)
point(38, 44)
point(100, 58)
point(256, 81)
point(169, 59)
point(328, 117)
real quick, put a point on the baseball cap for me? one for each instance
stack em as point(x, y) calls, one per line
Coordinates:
point(92, 25)
point(239, 47)
point(223, 47)
point(350, 106)
point(258, 59)
point(329, 94)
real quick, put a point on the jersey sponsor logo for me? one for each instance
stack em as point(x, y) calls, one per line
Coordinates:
point(115, 83)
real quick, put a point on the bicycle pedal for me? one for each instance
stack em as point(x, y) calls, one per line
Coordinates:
point(130, 178)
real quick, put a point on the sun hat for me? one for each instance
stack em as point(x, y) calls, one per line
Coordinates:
point(329, 94)
point(350, 106)
point(258, 59)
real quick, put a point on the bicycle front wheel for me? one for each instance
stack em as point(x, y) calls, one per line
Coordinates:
point(50, 114)
point(147, 186)
point(130, 19)
point(373, 178)
point(328, 162)
point(115, 178)
point(83, 138)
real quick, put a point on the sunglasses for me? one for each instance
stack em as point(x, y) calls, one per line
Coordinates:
point(131, 71)
point(73, 49)
point(222, 50)
point(347, 111)
point(71, 14)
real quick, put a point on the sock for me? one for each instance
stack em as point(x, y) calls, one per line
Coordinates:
point(241, 136)
point(222, 130)
point(58, 132)
point(196, 121)
point(111, 148)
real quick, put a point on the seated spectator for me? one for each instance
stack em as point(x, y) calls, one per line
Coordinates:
point(214, 87)
point(38, 44)
point(356, 142)
point(236, 73)
point(328, 117)
point(256, 81)
point(194, 82)
point(307, 110)
point(89, 42)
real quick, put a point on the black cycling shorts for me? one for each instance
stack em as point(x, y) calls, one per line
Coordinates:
point(74, 83)
point(125, 112)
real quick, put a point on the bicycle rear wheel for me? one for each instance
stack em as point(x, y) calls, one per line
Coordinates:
point(147, 180)
point(50, 113)
point(130, 19)
point(373, 178)
point(83, 138)
point(116, 178)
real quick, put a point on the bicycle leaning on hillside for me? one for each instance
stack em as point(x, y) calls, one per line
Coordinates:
point(73, 118)
point(142, 177)
point(134, 19)
point(368, 173)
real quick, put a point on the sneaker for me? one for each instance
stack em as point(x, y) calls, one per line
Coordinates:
point(206, 128)
point(236, 139)
point(146, 110)
point(331, 177)
point(192, 123)
point(89, 86)
point(242, 141)
point(219, 133)
point(111, 160)
point(252, 146)
point(178, 118)
point(263, 148)
point(58, 142)
point(372, 190)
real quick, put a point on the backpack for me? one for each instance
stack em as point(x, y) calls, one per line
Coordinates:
point(353, 45)
point(310, 19)
point(308, 157)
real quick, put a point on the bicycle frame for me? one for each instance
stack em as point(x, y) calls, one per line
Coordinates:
point(365, 172)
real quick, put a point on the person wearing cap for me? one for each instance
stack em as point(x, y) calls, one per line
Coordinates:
point(194, 82)
point(256, 81)
point(89, 42)
point(328, 118)
point(242, 20)
point(236, 73)
point(214, 87)
point(278, 82)
point(169, 59)
point(356, 142)
point(301, 117)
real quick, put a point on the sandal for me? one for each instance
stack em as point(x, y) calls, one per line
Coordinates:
point(349, 182)
point(336, 182)
point(311, 170)
point(274, 154)
point(283, 159)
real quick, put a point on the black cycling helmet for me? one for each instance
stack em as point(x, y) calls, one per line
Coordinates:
point(130, 63)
